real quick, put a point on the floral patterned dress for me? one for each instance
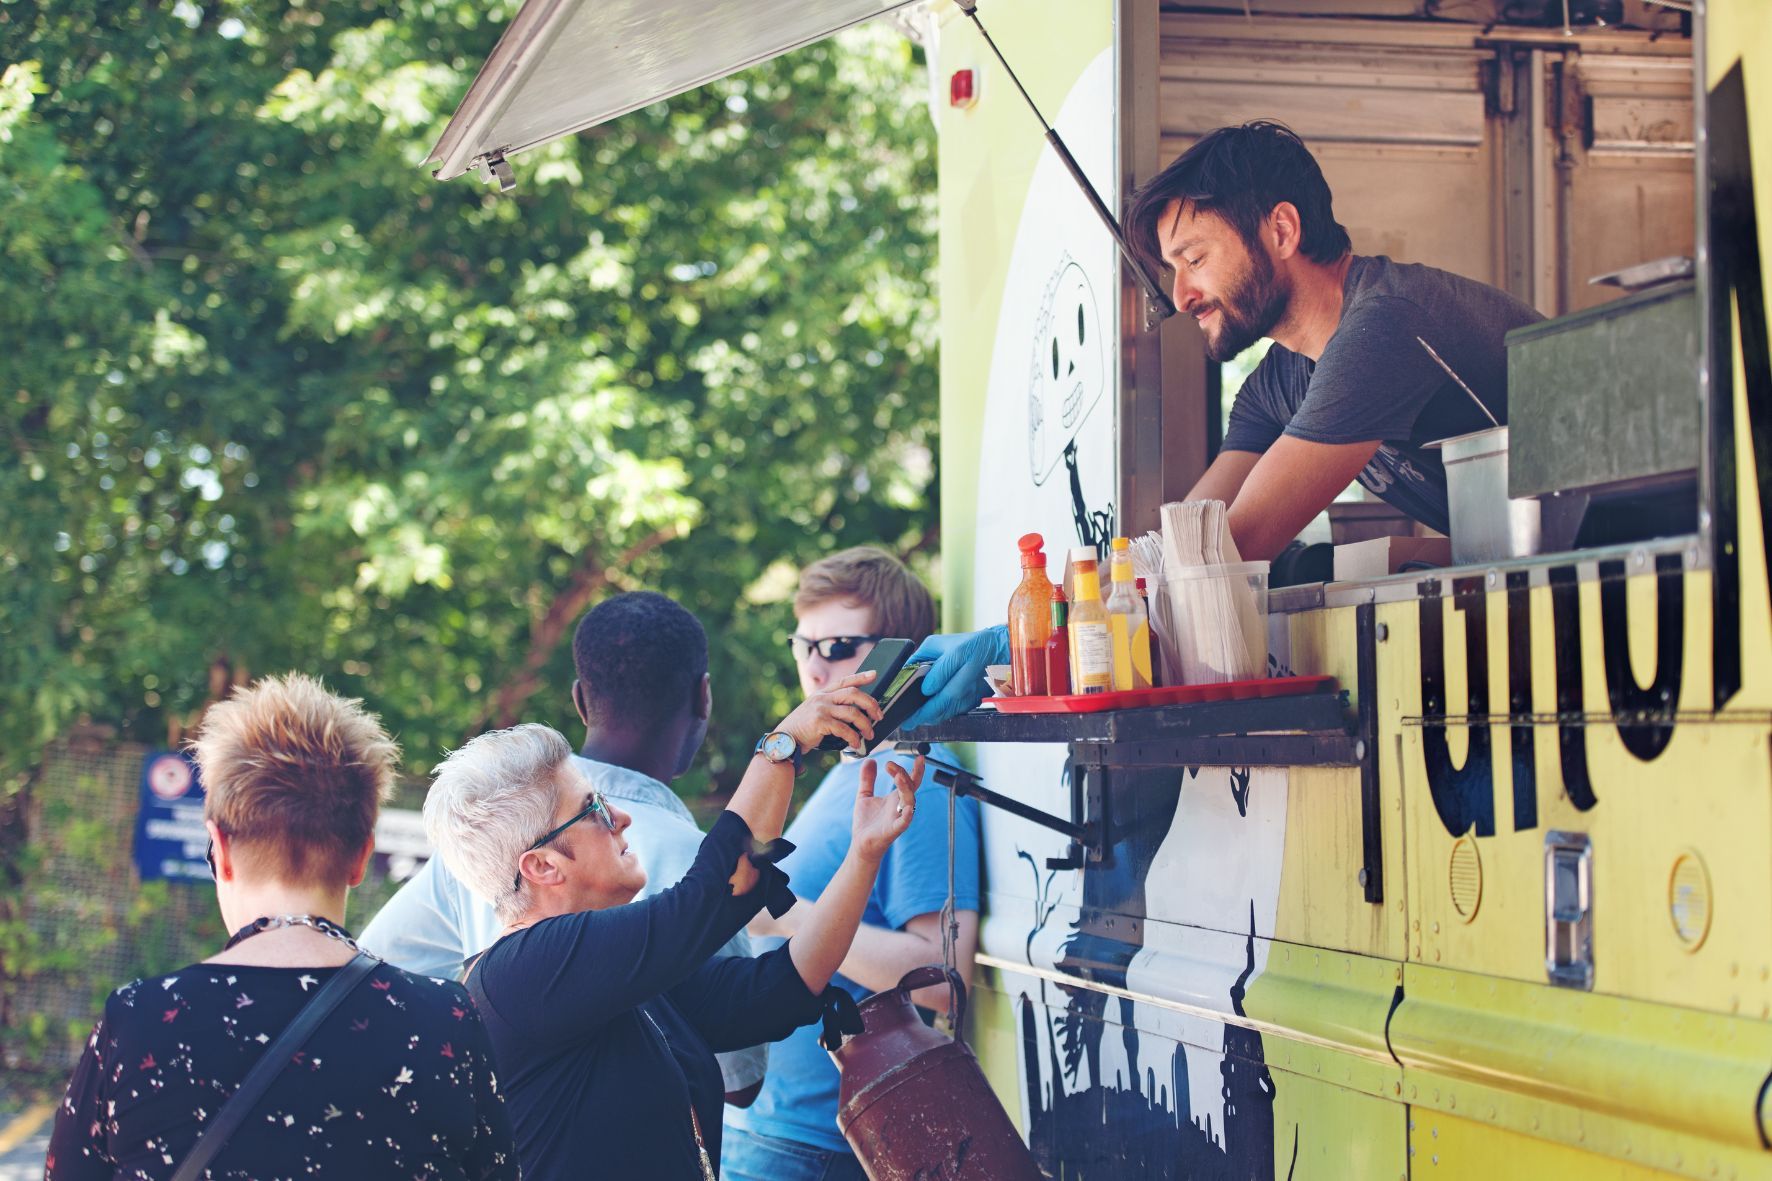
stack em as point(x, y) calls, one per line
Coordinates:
point(396, 1083)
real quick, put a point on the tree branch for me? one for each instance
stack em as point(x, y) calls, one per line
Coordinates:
point(587, 579)
point(929, 540)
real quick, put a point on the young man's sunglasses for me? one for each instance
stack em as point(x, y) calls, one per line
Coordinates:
point(831, 647)
point(595, 805)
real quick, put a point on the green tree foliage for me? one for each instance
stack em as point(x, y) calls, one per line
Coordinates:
point(274, 398)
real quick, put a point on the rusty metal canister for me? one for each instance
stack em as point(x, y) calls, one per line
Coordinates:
point(915, 1106)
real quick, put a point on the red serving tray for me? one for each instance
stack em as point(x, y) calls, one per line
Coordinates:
point(1090, 703)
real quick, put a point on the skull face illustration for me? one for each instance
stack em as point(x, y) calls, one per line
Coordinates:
point(1066, 376)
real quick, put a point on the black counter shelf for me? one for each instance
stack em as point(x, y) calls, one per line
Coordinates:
point(1317, 729)
point(1301, 730)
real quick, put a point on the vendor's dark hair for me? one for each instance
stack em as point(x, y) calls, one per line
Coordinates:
point(1241, 173)
point(641, 657)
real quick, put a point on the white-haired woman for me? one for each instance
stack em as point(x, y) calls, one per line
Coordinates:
point(605, 1016)
point(394, 1081)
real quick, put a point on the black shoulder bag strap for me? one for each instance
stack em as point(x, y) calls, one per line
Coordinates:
point(264, 1072)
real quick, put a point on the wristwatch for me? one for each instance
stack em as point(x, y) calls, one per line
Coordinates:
point(778, 746)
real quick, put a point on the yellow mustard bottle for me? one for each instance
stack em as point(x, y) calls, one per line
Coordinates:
point(1092, 649)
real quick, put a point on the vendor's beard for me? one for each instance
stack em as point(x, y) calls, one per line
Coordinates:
point(1249, 310)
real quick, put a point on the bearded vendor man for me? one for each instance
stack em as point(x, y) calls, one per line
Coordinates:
point(1348, 390)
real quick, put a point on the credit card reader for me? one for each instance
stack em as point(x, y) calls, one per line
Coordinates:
point(885, 661)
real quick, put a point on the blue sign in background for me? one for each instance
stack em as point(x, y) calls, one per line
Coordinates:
point(170, 839)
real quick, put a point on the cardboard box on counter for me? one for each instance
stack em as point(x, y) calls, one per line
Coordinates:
point(1382, 556)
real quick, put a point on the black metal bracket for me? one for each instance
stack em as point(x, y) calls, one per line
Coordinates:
point(1089, 797)
point(1085, 837)
point(1371, 875)
point(1304, 730)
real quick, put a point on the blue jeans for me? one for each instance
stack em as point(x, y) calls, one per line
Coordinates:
point(746, 1156)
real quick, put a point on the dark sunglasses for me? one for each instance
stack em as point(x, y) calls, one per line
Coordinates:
point(209, 856)
point(597, 805)
point(831, 647)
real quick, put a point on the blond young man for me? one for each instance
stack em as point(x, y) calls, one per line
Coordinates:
point(845, 604)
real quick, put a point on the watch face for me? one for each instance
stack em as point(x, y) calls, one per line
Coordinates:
point(779, 747)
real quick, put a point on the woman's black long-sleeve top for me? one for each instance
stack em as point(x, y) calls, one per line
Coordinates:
point(604, 1023)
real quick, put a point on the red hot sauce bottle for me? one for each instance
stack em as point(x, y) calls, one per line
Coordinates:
point(1058, 647)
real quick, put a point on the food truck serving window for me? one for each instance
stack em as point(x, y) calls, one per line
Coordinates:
point(565, 65)
point(1556, 165)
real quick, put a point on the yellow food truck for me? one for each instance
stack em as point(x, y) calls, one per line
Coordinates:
point(1501, 904)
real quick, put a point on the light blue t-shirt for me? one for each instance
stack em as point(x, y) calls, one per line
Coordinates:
point(799, 1097)
point(434, 922)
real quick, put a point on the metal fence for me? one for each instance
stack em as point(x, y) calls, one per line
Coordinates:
point(84, 922)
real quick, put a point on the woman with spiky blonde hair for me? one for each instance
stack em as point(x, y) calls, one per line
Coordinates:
point(394, 1077)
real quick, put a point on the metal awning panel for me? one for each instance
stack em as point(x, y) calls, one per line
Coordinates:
point(565, 65)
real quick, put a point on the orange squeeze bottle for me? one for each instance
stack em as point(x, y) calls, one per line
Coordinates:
point(1030, 620)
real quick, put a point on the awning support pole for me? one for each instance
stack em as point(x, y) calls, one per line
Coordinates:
point(1152, 290)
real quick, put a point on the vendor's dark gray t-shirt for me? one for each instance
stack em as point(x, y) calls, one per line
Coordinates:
point(1375, 381)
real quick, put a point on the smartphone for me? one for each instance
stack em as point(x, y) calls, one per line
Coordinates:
point(884, 662)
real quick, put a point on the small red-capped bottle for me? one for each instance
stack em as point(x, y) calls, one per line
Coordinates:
point(1058, 648)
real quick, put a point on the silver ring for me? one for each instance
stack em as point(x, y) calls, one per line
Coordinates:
point(900, 811)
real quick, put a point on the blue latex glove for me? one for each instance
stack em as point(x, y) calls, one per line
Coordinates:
point(955, 680)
